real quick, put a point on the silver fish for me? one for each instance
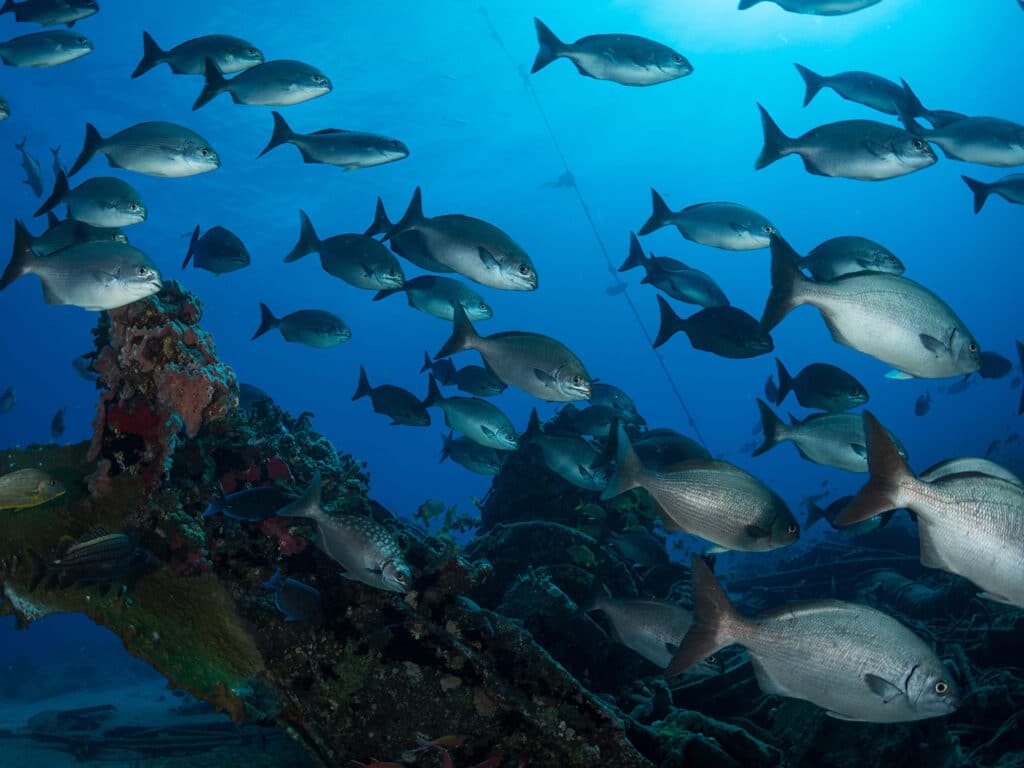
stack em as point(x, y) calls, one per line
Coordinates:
point(44, 49)
point(1010, 188)
point(362, 546)
point(312, 327)
point(471, 455)
point(970, 524)
point(219, 251)
point(815, 7)
point(652, 628)
point(103, 201)
point(853, 149)
point(30, 487)
point(407, 244)
point(886, 316)
point(277, 83)
point(572, 458)
point(537, 364)
point(229, 54)
point(712, 499)
point(848, 255)
point(357, 259)
point(674, 278)
point(33, 174)
point(624, 59)
point(153, 148)
point(332, 146)
point(855, 662)
point(438, 296)
point(731, 226)
point(62, 234)
point(603, 393)
point(96, 275)
point(50, 12)
point(860, 87)
point(477, 419)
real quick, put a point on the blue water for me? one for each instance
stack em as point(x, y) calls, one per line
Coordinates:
point(433, 75)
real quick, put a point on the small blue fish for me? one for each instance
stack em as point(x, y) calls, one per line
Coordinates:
point(297, 601)
point(252, 505)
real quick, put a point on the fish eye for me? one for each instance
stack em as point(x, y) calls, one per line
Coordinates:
point(83, 41)
point(253, 53)
point(205, 152)
point(395, 144)
point(135, 207)
point(892, 259)
point(483, 307)
point(677, 58)
point(972, 347)
point(793, 528)
point(941, 687)
point(918, 144)
point(712, 659)
point(577, 380)
point(142, 271)
point(53, 483)
point(401, 578)
point(524, 270)
point(769, 229)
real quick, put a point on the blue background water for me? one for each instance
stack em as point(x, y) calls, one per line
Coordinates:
point(433, 75)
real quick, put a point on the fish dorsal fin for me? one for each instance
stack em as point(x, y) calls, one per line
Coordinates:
point(326, 131)
point(882, 688)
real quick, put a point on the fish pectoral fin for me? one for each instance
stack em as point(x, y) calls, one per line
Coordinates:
point(585, 471)
point(897, 375)
point(544, 377)
point(488, 258)
point(882, 688)
point(860, 450)
point(847, 718)
point(757, 532)
point(672, 648)
point(580, 69)
point(488, 432)
point(933, 345)
point(995, 598)
point(716, 550)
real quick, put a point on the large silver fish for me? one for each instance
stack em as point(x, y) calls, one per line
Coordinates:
point(855, 662)
point(357, 259)
point(229, 54)
point(50, 12)
point(44, 49)
point(815, 7)
point(731, 226)
point(970, 523)
point(103, 201)
point(438, 296)
point(477, 419)
point(62, 234)
point(33, 175)
point(277, 83)
point(1010, 188)
point(153, 148)
point(860, 87)
point(886, 316)
point(332, 146)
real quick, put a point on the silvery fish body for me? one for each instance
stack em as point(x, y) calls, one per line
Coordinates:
point(44, 49)
point(479, 420)
point(861, 87)
point(815, 7)
point(471, 455)
point(652, 628)
point(674, 278)
point(229, 54)
point(153, 148)
point(332, 146)
point(357, 259)
point(103, 201)
point(50, 12)
point(438, 296)
point(969, 465)
point(848, 255)
point(71, 232)
point(219, 251)
point(571, 458)
point(273, 83)
point(478, 381)
point(311, 327)
point(730, 226)
point(1010, 188)
point(983, 140)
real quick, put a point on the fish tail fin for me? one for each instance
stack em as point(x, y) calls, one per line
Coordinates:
point(773, 427)
point(814, 514)
point(446, 446)
point(413, 214)
point(267, 321)
point(381, 224)
point(428, 364)
point(1020, 355)
point(91, 145)
point(434, 396)
point(363, 389)
point(383, 294)
point(776, 143)
point(533, 426)
point(308, 504)
point(309, 241)
point(980, 189)
point(464, 335)
point(888, 472)
point(213, 84)
point(636, 256)
point(909, 108)
point(715, 620)
point(60, 188)
point(785, 382)
point(274, 582)
point(215, 507)
point(786, 283)
point(628, 467)
point(813, 82)
point(670, 322)
point(51, 220)
point(39, 570)
point(21, 256)
point(550, 47)
point(281, 135)
point(152, 54)
point(660, 214)
point(191, 247)
point(744, 4)
point(55, 151)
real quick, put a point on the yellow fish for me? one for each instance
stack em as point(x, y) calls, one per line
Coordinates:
point(28, 488)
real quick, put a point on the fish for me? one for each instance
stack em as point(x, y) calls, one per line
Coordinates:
point(771, 393)
point(62, 234)
point(617, 288)
point(848, 255)
point(833, 439)
point(7, 400)
point(45, 49)
point(723, 331)
point(357, 259)
point(103, 201)
point(822, 387)
point(366, 549)
point(479, 381)
point(437, 296)
point(572, 458)
point(815, 7)
point(474, 418)
point(400, 404)
point(57, 423)
point(536, 364)
point(250, 397)
point(96, 275)
point(864, 88)
point(659, 449)
point(994, 365)
point(277, 83)
point(832, 511)
point(50, 12)
point(250, 505)
point(350, 150)
point(408, 244)
point(472, 247)
point(312, 327)
point(923, 404)
point(218, 251)
point(1010, 188)
point(33, 175)
point(98, 557)
point(889, 317)
point(623, 59)
point(442, 370)
point(5, 109)
point(639, 548)
point(855, 662)
point(730, 226)
point(228, 54)
point(594, 420)
point(297, 601)
point(963, 465)
point(58, 166)
point(83, 366)
point(970, 524)
point(155, 148)
point(714, 500)
point(674, 278)
point(603, 393)
point(25, 488)
point(864, 150)
point(470, 454)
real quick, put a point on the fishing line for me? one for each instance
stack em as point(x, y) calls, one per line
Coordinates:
point(593, 225)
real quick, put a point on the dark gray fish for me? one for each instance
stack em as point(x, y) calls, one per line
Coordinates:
point(50, 12)
point(332, 146)
point(659, 449)
point(923, 404)
point(219, 251)
point(438, 296)
point(83, 366)
point(154, 148)
point(617, 288)
point(674, 278)
point(57, 423)
point(848, 255)
point(815, 7)
point(63, 234)
point(98, 558)
point(860, 87)
point(357, 259)
point(572, 458)
point(33, 175)
point(278, 83)
point(723, 331)
point(7, 400)
point(831, 513)
point(474, 418)
point(5, 109)
point(297, 601)
point(594, 420)
point(442, 370)
point(312, 327)
point(471, 455)
point(409, 245)
point(994, 365)
point(250, 396)
point(58, 166)
point(251, 505)
point(602, 393)
point(853, 149)
point(641, 548)
point(731, 226)
point(478, 380)
point(400, 404)
point(822, 387)
point(771, 393)
point(103, 201)
point(856, 663)
point(623, 59)
point(1010, 188)
point(44, 49)
point(229, 54)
